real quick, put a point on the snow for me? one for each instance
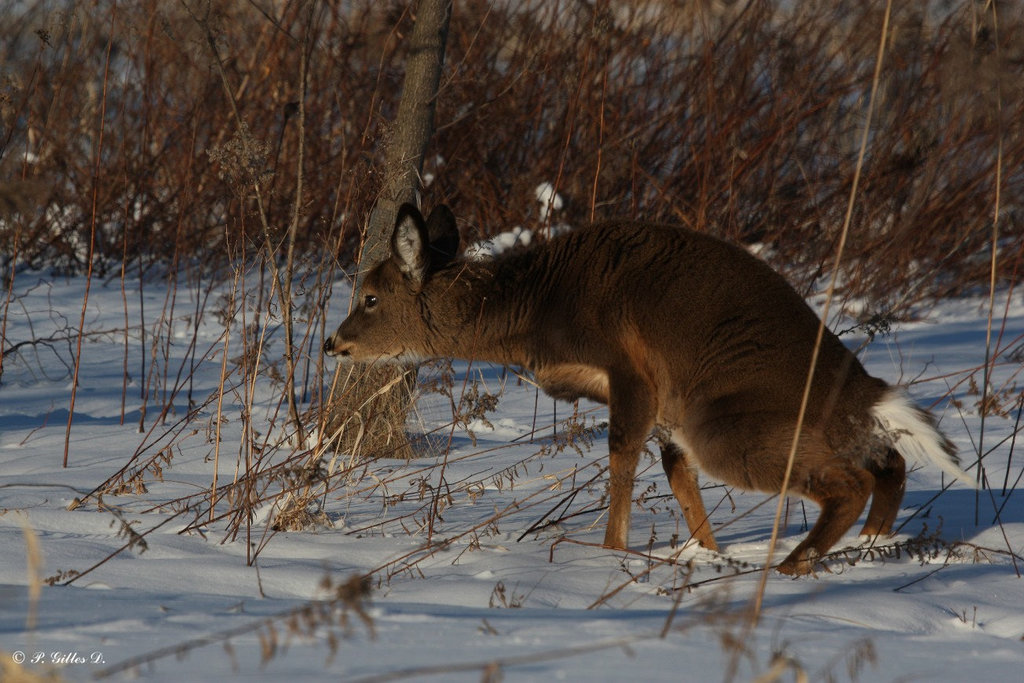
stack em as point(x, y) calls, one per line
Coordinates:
point(550, 201)
point(518, 237)
point(509, 577)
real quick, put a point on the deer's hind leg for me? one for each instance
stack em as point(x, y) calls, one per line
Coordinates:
point(842, 490)
point(890, 484)
point(751, 450)
point(683, 480)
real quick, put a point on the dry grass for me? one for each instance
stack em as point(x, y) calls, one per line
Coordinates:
point(741, 122)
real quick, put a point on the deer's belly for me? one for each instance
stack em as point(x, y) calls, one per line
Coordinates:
point(571, 381)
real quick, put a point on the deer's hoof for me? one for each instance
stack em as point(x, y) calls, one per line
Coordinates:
point(799, 563)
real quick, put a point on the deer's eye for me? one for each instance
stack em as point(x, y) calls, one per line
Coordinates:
point(370, 302)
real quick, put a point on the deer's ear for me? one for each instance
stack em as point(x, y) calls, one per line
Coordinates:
point(409, 243)
point(443, 235)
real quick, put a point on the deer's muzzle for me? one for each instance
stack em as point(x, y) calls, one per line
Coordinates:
point(334, 347)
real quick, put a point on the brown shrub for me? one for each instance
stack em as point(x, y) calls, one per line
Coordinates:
point(738, 118)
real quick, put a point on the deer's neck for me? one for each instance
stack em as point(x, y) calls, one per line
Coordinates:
point(476, 310)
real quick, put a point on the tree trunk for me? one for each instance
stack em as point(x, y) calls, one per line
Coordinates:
point(413, 126)
point(371, 419)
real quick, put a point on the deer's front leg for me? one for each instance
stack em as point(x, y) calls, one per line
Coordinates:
point(632, 411)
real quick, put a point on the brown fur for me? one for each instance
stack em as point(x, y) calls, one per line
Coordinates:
point(669, 328)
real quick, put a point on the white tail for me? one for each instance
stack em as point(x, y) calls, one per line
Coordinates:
point(912, 432)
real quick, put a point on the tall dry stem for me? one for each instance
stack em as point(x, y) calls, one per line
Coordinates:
point(101, 127)
point(758, 598)
point(993, 270)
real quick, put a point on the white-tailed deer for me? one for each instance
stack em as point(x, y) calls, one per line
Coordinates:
point(669, 328)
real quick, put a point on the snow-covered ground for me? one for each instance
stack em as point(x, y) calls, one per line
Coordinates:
point(467, 578)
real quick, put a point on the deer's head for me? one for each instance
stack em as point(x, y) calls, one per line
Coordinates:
point(388, 321)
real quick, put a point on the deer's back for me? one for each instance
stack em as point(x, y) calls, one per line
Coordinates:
point(715, 328)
